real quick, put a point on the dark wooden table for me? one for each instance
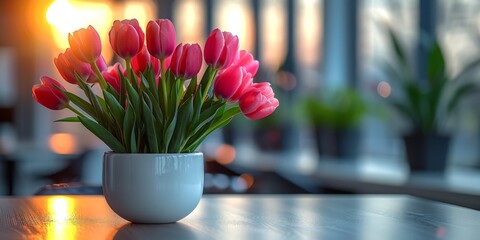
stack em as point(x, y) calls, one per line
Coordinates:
point(245, 217)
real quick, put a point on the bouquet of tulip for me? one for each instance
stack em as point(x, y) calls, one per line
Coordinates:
point(155, 103)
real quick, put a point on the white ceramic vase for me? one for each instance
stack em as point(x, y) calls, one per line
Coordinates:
point(153, 188)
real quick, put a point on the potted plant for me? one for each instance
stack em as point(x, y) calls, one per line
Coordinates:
point(155, 113)
point(426, 104)
point(336, 119)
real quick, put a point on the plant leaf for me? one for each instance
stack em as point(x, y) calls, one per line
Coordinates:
point(82, 104)
point(115, 108)
point(129, 123)
point(68, 119)
point(102, 134)
point(436, 67)
point(150, 127)
point(461, 92)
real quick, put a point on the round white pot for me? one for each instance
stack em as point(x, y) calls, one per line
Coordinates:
point(153, 188)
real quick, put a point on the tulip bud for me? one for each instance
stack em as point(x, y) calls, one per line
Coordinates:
point(231, 82)
point(161, 39)
point(142, 60)
point(112, 77)
point(85, 44)
point(126, 38)
point(258, 101)
point(246, 60)
point(50, 94)
point(67, 65)
point(186, 61)
point(221, 49)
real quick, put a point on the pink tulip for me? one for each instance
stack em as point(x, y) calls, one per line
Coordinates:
point(126, 38)
point(186, 61)
point(231, 83)
point(112, 77)
point(142, 60)
point(50, 94)
point(258, 101)
point(67, 65)
point(167, 62)
point(221, 49)
point(247, 61)
point(85, 44)
point(161, 39)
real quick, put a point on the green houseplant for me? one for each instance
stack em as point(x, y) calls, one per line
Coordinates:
point(426, 104)
point(336, 119)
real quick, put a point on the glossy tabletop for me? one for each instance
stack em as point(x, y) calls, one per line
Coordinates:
point(245, 217)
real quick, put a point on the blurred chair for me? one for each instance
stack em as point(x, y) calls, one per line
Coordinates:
point(74, 188)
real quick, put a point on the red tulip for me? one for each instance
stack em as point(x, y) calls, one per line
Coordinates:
point(161, 39)
point(258, 101)
point(186, 61)
point(126, 38)
point(221, 49)
point(67, 65)
point(50, 94)
point(246, 60)
point(142, 60)
point(112, 77)
point(231, 82)
point(85, 44)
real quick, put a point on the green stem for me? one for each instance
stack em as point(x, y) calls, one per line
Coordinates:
point(209, 83)
point(163, 85)
point(75, 111)
point(129, 74)
point(123, 83)
point(101, 80)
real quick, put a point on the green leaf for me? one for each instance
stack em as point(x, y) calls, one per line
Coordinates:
point(68, 119)
point(192, 87)
point(82, 104)
point(461, 92)
point(436, 66)
point(129, 123)
point(150, 128)
point(397, 47)
point(103, 134)
point(169, 130)
point(134, 99)
point(115, 108)
point(114, 92)
point(205, 117)
point(133, 140)
point(184, 117)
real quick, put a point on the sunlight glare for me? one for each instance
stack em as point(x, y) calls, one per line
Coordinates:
point(60, 209)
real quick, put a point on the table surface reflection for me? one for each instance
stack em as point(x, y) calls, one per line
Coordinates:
point(245, 217)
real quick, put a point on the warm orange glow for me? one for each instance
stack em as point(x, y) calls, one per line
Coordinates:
point(384, 89)
point(225, 154)
point(189, 19)
point(308, 27)
point(63, 143)
point(60, 210)
point(67, 16)
point(249, 180)
point(143, 11)
point(236, 17)
point(273, 25)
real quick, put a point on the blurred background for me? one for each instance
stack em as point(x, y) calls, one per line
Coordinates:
point(362, 109)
